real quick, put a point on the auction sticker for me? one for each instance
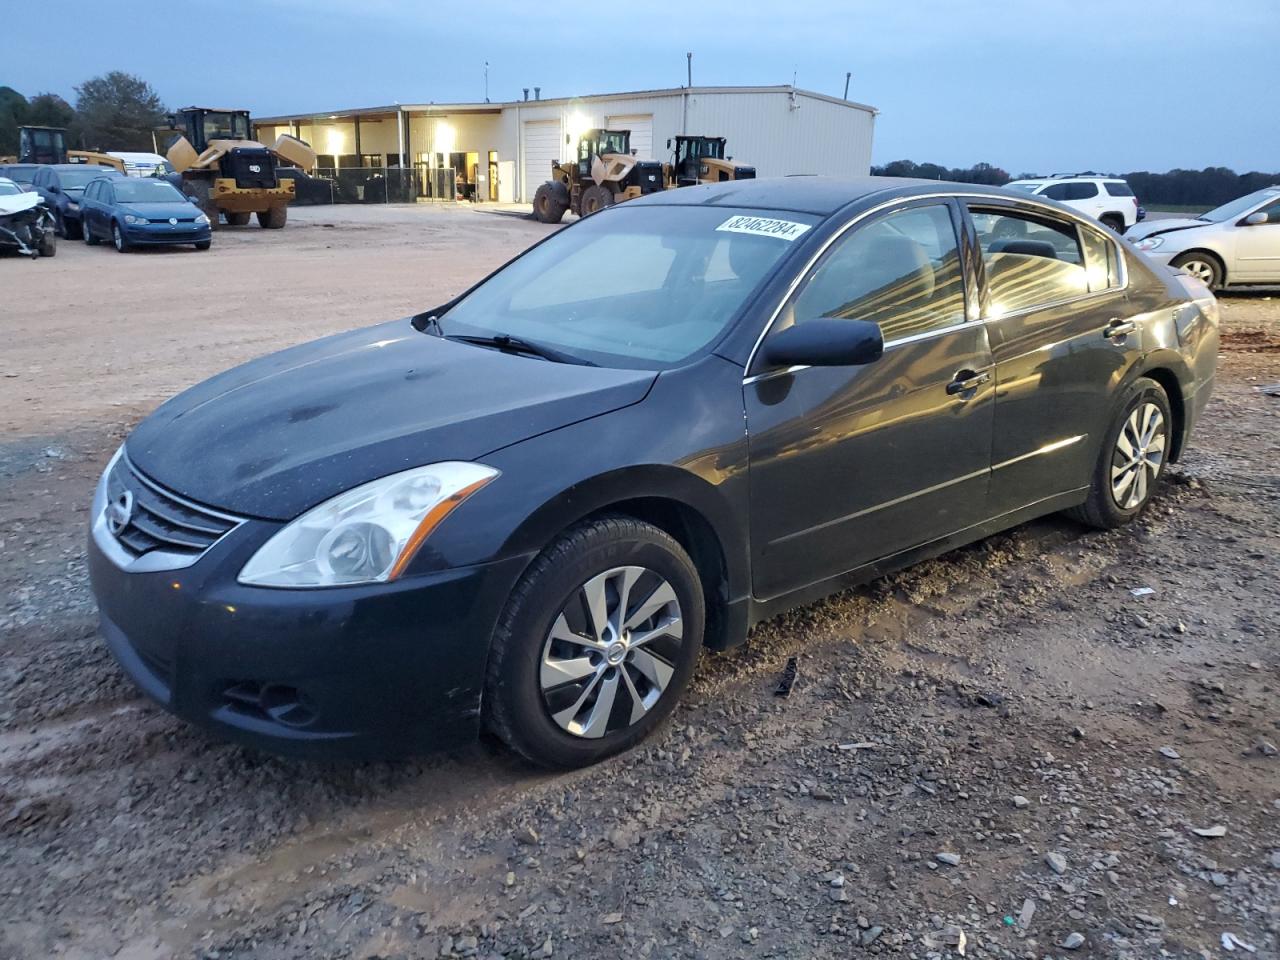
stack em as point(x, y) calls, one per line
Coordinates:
point(764, 227)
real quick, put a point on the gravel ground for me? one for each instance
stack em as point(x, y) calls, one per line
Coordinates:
point(1000, 753)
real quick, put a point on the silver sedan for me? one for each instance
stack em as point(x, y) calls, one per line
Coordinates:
point(1234, 245)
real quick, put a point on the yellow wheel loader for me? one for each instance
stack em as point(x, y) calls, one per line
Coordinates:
point(604, 173)
point(700, 159)
point(225, 172)
point(49, 145)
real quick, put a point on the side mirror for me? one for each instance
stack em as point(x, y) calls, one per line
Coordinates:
point(825, 342)
point(668, 143)
point(1253, 219)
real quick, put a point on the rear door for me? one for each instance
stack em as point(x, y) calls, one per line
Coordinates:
point(1055, 307)
point(853, 464)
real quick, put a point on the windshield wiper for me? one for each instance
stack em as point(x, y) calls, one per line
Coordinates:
point(510, 344)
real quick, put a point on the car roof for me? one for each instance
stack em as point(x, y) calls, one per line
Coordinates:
point(806, 194)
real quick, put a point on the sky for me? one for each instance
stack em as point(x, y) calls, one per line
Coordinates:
point(1028, 85)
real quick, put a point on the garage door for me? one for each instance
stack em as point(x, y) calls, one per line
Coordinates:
point(541, 149)
point(641, 127)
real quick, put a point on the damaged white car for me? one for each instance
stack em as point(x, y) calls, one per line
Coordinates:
point(1235, 244)
point(26, 225)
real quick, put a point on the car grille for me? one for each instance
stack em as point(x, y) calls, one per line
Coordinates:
point(166, 220)
point(162, 521)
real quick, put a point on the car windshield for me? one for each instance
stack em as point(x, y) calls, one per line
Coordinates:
point(644, 287)
point(135, 190)
point(1237, 208)
point(78, 179)
point(21, 174)
point(9, 189)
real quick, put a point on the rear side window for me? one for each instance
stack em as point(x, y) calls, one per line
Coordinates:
point(901, 271)
point(91, 191)
point(1118, 189)
point(1082, 191)
point(1030, 261)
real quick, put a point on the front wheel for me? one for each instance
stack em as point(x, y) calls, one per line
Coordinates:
point(1134, 454)
point(1202, 266)
point(118, 238)
point(596, 198)
point(48, 244)
point(595, 645)
point(273, 218)
point(203, 244)
point(237, 219)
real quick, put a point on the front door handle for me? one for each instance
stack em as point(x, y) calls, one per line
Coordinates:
point(967, 380)
point(1118, 329)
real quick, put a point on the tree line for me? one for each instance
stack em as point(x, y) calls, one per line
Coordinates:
point(1193, 188)
point(116, 111)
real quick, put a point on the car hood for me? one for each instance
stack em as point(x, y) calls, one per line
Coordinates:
point(1151, 228)
point(11, 204)
point(179, 210)
point(283, 433)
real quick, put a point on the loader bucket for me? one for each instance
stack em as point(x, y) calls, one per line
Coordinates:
point(181, 155)
point(298, 152)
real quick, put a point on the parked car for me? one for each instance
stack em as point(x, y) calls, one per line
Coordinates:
point(26, 225)
point(20, 173)
point(1108, 199)
point(532, 507)
point(142, 164)
point(1235, 244)
point(62, 186)
point(134, 212)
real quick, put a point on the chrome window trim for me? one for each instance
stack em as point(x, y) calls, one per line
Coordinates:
point(963, 198)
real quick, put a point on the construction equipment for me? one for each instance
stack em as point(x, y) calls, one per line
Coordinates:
point(225, 172)
point(699, 159)
point(604, 173)
point(49, 145)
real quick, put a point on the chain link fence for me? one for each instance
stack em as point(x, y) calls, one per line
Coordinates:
point(374, 185)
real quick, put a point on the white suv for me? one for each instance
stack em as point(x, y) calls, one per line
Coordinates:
point(1108, 199)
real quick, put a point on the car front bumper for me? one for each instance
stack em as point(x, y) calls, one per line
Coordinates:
point(378, 670)
point(165, 234)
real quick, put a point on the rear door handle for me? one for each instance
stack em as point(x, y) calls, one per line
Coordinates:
point(1118, 329)
point(967, 380)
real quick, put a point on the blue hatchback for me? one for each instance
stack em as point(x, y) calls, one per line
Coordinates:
point(141, 211)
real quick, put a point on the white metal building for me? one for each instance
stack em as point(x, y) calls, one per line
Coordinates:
point(503, 151)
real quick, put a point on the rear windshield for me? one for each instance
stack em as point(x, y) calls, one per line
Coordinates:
point(21, 174)
point(1118, 189)
point(133, 190)
point(638, 286)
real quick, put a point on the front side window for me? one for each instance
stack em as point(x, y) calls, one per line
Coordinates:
point(1272, 210)
point(643, 287)
point(1030, 260)
point(901, 271)
point(1057, 191)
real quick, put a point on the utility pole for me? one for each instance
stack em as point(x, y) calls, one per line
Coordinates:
point(689, 57)
point(486, 83)
point(846, 84)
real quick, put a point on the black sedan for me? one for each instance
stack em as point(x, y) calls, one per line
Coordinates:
point(62, 187)
point(530, 508)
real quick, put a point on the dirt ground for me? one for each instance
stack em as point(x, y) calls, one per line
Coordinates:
point(1002, 753)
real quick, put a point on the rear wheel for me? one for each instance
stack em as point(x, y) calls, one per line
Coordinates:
point(89, 239)
point(118, 238)
point(595, 645)
point(1132, 459)
point(48, 244)
point(237, 219)
point(550, 202)
point(1203, 266)
point(1114, 221)
point(273, 218)
point(595, 198)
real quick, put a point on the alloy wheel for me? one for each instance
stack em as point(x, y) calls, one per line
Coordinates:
point(611, 651)
point(1202, 270)
point(117, 237)
point(1138, 456)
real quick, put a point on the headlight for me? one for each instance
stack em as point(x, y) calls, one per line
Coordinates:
point(201, 218)
point(130, 218)
point(368, 534)
point(1150, 243)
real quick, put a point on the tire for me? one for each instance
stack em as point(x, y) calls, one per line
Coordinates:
point(203, 244)
point(1111, 503)
point(550, 202)
point(237, 219)
point(596, 198)
point(548, 669)
point(1113, 221)
point(1205, 267)
point(71, 229)
point(89, 239)
point(48, 244)
point(273, 218)
point(60, 226)
point(118, 238)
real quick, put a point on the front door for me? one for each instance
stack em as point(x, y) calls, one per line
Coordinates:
point(1258, 248)
point(852, 464)
point(1057, 315)
point(493, 176)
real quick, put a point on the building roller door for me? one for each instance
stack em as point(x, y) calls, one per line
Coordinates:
point(541, 149)
point(641, 127)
